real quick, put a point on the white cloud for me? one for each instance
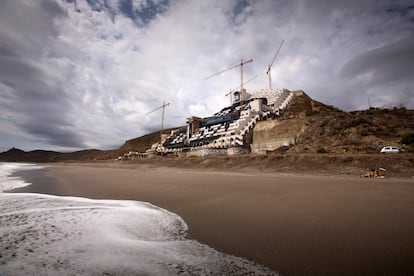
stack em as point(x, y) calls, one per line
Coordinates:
point(99, 69)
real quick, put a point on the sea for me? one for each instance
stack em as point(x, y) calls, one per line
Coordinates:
point(54, 235)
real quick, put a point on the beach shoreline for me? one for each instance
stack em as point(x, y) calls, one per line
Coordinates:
point(293, 224)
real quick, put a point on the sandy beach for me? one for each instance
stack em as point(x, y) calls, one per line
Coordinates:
point(295, 225)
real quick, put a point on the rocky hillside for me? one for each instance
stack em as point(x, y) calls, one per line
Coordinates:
point(326, 129)
point(141, 144)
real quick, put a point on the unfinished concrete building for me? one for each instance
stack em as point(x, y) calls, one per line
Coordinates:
point(228, 131)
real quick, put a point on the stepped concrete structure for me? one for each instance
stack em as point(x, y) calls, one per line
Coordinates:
point(230, 130)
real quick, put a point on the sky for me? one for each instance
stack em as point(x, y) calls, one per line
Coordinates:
point(80, 74)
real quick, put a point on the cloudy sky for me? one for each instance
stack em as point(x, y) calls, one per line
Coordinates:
point(83, 74)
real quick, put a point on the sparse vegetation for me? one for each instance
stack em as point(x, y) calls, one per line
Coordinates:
point(407, 138)
point(321, 150)
point(364, 131)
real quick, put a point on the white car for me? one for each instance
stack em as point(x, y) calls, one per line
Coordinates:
point(390, 149)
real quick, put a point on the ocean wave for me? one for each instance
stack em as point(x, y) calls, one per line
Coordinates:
point(8, 182)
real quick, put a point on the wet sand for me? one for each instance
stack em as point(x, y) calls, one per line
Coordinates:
point(295, 225)
point(41, 182)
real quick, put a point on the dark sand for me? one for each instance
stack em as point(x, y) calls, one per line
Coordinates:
point(296, 225)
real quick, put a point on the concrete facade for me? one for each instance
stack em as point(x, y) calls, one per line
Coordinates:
point(232, 130)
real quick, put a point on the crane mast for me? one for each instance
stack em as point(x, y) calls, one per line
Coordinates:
point(269, 67)
point(163, 106)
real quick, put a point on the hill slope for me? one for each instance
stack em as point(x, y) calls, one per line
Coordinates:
point(17, 155)
point(327, 130)
point(141, 144)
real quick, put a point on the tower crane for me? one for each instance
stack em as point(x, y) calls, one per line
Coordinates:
point(269, 67)
point(163, 106)
point(232, 90)
point(241, 74)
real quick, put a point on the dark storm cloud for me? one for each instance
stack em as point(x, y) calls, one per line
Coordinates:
point(42, 108)
point(57, 134)
point(383, 74)
point(11, 70)
point(32, 93)
point(392, 62)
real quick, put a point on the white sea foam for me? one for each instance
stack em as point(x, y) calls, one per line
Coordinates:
point(8, 182)
point(49, 235)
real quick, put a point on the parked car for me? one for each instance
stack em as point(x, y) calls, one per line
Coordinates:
point(389, 149)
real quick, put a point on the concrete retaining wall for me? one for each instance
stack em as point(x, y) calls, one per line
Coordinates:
point(217, 152)
point(270, 145)
point(273, 134)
